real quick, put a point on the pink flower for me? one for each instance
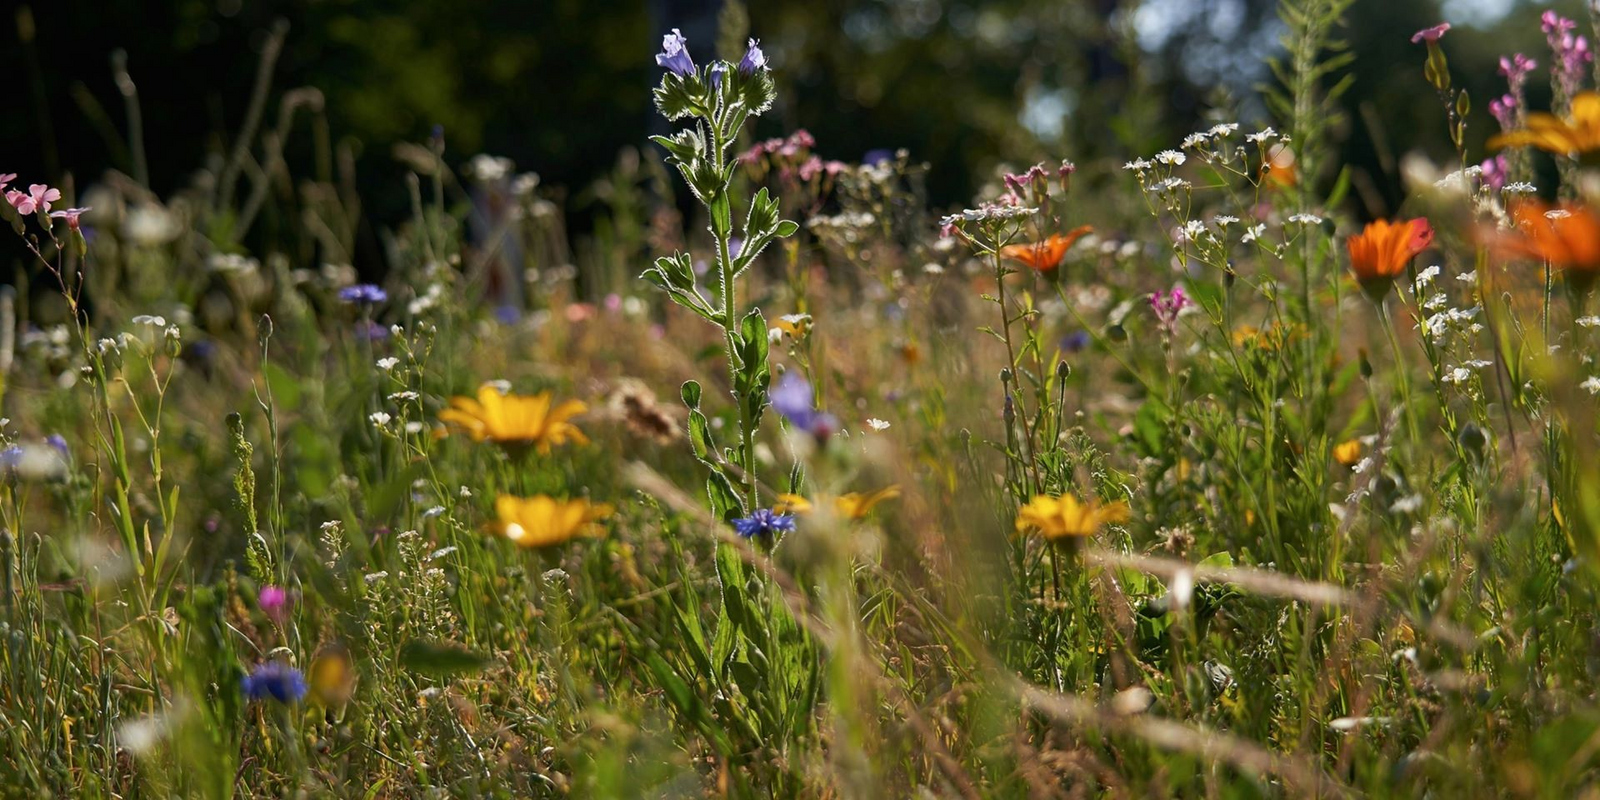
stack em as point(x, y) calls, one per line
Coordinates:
point(1516, 70)
point(1167, 307)
point(39, 196)
point(70, 215)
point(274, 602)
point(1430, 35)
point(6, 179)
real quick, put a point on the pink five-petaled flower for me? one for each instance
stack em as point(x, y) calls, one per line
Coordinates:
point(39, 196)
point(1432, 34)
point(70, 215)
point(6, 179)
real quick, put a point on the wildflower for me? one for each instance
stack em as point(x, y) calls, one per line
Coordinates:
point(275, 680)
point(1570, 50)
point(717, 71)
point(388, 363)
point(274, 602)
point(1136, 165)
point(1076, 342)
point(674, 55)
point(364, 294)
point(542, 521)
point(1383, 249)
point(1046, 255)
point(1566, 237)
point(753, 59)
point(792, 398)
point(1347, 453)
point(1261, 136)
point(39, 197)
point(857, 505)
point(1278, 167)
point(877, 424)
point(1590, 384)
point(515, 420)
point(1494, 171)
point(1516, 70)
point(1057, 518)
point(379, 418)
point(6, 179)
point(1167, 306)
point(70, 215)
point(332, 675)
point(763, 523)
point(1579, 133)
point(1171, 158)
point(1430, 35)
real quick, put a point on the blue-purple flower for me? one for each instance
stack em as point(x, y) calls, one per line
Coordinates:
point(674, 55)
point(275, 680)
point(717, 71)
point(763, 522)
point(364, 294)
point(753, 59)
point(792, 398)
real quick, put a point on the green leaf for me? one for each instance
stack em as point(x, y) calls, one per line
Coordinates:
point(691, 394)
point(440, 658)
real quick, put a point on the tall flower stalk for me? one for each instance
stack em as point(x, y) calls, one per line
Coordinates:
point(717, 100)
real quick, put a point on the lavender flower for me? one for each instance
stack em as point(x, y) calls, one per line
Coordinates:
point(717, 71)
point(363, 294)
point(753, 59)
point(275, 680)
point(674, 55)
point(792, 398)
point(763, 522)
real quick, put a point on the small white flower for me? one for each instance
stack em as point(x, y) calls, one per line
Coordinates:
point(933, 269)
point(877, 424)
point(388, 363)
point(154, 320)
point(1436, 301)
point(1306, 219)
point(1254, 232)
point(1407, 504)
point(1426, 276)
point(1171, 157)
point(1589, 322)
point(1223, 129)
point(1470, 276)
point(376, 576)
point(1169, 185)
point(401, 397)
point(414, 427)
point(1520, 187)
point(433, 512)
point(1362, 466)
point(1261, 135)
point(465, 492)
point(1193, 140)
point(1223, 220)
point(1478, 363)
point(1458, 375)
point(1557, 213)
point(1193, 229)
point(1591, 384)
point(1137, 165)
point(379, 418)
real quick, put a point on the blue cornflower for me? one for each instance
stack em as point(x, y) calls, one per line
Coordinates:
point(59, 442)
point(753, 59)
point(674, 54)
point(275, 680)
point(763, 522)
point(717, 71)
point(364, 294)
point(1076, 341)
point(792, 398)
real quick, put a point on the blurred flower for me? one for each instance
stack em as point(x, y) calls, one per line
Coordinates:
point(275, 680)
point(512, 419)
point(1347, 453)
point(1570, 50)
point(274, 602)
point(1516, 69)
point(1076, 342)
point(795, 326)
point(542, 521)
point(674, 55)
point(853, 505)
point(365, 294)
point(6, 179)
point(792, 398)
point(1432, 34)
point(70, 215)
point(1552, 134)
point(1381, 251)
point(753, 59)
point(1056, 518)
point(763, 523)
point(1495, 173)
point(1046, 255)
point(1567, 237)
point(332, 675)
point(1167, 306)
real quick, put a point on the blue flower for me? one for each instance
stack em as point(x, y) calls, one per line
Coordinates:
point(792, 398)
point(59, 442)
point(364, 294)
point(275, 680)
point(763, 522)
point(1076, 341)
point(674, 54)
point(881, 155)
point(717, 71)
point(753, 59)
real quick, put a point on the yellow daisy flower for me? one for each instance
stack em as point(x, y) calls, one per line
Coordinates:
point(513, 419)
point(542, 521)
point(854, 505)
point(1552, 134)
point(1347, 453)
point(1057, 518)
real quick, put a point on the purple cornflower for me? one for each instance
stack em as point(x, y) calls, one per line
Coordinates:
point(364, 294)
point(274, 602)
point(1516, 69)
point(274, 680)
point(1430, 35)
point(763, 522)
point(674, 55)
point(792, 398)
point(753, 59)
point(1167, 306)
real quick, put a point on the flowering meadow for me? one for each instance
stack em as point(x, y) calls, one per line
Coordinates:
point(1165, 476)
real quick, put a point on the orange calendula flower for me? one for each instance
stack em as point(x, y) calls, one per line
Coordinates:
point(542, 521)
point(512, 419)
point(1564, 137)
point(1046, 255)
point(1057, 518)
point(1347, 453)
point(1566, 236)
point(854, 505)
point(1381, 251)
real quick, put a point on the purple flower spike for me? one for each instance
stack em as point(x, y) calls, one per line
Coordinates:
point(674, 55)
